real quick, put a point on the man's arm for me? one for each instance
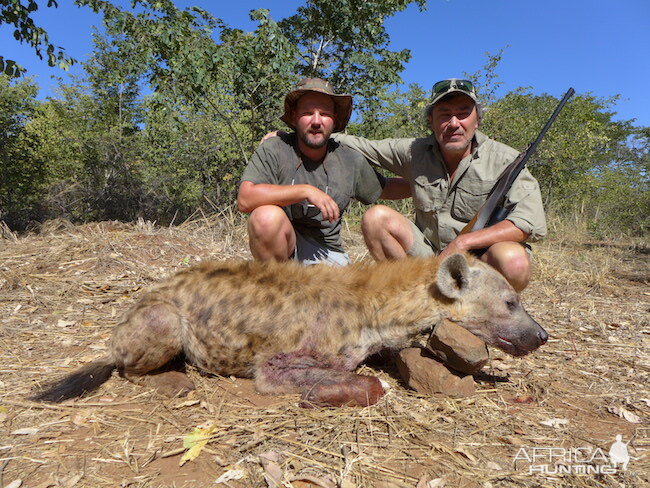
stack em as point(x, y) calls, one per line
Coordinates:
point(396, 189)
point(252, 195)
point(392, 154)
point(484, 238)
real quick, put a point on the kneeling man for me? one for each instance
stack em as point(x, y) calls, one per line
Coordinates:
point(297, 185)
point(450, 175)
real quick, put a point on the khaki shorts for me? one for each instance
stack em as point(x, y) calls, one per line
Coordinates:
point(422, 247)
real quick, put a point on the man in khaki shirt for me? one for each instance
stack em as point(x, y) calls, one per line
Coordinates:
point(450, 174)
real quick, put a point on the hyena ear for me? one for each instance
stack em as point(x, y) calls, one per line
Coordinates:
point(453, 276)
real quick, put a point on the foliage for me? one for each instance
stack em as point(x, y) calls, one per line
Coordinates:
point(345, 42)
point(88, 140)
point(21, 176)
point(102, 150)
point(397, 114)
point(585, 162)
point(485, 79)
point(18, 13)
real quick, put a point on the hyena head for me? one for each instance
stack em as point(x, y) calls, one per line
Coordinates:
point(488, 306)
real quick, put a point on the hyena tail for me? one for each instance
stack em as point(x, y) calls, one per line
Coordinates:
point(84, 380)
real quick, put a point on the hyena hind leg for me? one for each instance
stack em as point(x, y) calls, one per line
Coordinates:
point(320, 386)
point(146, 348)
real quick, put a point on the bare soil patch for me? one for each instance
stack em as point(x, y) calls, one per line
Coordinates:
point(64, 288)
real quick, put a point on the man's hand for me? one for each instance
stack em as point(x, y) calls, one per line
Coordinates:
point(456, 246)
point(275, 133)
point(484, 238)
point(324, 202)
point(253, 195)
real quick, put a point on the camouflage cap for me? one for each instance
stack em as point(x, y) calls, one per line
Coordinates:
point(453, 85)
point(342, 103)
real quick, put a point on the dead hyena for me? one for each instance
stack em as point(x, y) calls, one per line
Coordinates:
point(305, 329)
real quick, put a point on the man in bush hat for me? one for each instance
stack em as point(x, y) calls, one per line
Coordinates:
point(450, 174)
point(297, 185)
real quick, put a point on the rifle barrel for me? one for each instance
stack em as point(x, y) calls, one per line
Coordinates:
point(550, 121)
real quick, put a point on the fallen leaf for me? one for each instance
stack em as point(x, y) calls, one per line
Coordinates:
point(626, 414)
point(65, 323)
point(272, 471)
point(437, 483)
point(79, 420)
point(15, 484)
point(494, 466)
point(194, 442)
point(555, 423)
point(468, 455)
point(187, 403)
point(232, 474)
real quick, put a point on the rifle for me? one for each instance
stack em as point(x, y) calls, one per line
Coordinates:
point(495, 209)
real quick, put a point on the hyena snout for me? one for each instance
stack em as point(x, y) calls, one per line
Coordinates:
point(523, 337)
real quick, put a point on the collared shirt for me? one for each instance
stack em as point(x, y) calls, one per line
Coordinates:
point(443, 206)
point(343, 174)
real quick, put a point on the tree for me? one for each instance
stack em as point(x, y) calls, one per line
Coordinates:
point(18, 14)
point(586, 161)
point(345, 41)
point(89, 141)
point(20, 176)
point(397, 114)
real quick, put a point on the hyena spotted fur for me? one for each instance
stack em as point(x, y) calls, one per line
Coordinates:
point(302, 329)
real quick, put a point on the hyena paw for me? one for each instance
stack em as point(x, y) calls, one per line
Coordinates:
point(359, 392)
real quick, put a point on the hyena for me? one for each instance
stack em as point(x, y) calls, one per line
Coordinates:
point(304, 330)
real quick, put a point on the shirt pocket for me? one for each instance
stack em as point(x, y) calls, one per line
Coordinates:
point(469, 195)
point(428, 195)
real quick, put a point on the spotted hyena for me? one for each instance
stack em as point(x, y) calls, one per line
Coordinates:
point(305, 329)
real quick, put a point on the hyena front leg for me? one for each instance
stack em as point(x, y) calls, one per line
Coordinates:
point(321, 383)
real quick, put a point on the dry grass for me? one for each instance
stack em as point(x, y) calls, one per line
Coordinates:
point(63, 289)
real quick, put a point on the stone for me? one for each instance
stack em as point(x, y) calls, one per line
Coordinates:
point(427, 375)
point(457, 347)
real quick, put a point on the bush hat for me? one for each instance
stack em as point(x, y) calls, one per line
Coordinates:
point(453, 85)
point(342, 103)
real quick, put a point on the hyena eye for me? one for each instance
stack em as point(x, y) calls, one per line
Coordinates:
point(511, 304)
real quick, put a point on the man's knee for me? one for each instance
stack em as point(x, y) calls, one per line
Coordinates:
point(267, 221)
point(375, 217)
point(380, 218)
point(511, 259)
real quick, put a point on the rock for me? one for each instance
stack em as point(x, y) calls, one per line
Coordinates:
point(457, 348)
point(427, 375)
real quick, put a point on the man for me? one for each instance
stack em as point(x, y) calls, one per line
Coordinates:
point(297, 185)
point(450, 174)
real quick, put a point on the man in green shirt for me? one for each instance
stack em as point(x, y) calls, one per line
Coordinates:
point(450, 174)
point(297, 185)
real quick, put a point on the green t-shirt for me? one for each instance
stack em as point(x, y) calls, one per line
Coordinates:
point(343, 174)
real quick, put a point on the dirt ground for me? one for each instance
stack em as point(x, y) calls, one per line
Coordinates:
point(545, 420)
